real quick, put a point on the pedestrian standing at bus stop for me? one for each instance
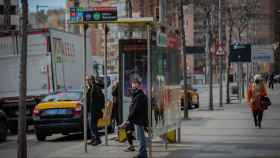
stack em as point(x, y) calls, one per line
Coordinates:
point(95, 104)
point(138, 115)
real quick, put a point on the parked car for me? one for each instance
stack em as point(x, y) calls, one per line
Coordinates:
point(3, 126)
point(60, 113)
point(9, 106)
point(193, 99)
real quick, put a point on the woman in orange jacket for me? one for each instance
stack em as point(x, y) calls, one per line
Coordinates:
point(257, 90)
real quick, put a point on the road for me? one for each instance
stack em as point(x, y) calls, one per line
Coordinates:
point(38, 149)
point(223, 132)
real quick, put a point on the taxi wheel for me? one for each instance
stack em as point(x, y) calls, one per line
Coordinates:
point(3, 131)
point(13, 128)
point(41, 136)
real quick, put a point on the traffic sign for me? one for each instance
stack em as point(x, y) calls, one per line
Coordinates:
point(76, 15)
point(220, 50)
point(194, 50)
point(240, 53)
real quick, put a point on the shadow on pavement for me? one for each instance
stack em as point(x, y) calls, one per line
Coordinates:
point(70, 137)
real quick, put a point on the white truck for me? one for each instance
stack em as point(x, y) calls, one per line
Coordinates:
point(54, 63)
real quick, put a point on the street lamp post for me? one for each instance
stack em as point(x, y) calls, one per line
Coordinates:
point(105, 80)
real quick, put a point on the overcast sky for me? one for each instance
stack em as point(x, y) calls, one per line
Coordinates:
point(52, 4)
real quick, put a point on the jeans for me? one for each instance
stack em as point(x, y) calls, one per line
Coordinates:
point(94, 128)
point(142, 141)
point(258, 115)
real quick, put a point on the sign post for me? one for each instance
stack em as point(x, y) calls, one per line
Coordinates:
point(220, 53)
point(240, 53)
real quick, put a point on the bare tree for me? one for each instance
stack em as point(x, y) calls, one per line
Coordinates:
point(209, 11)
point(239, 17)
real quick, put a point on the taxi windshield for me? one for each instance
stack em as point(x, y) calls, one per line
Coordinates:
point(64, 96)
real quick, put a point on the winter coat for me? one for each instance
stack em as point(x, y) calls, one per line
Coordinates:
point(95, 101)
point(138, 113)
point(254, 97)
point(116, 100)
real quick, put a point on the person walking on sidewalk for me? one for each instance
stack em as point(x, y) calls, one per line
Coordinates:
point(138, 116)
point(256, 91)
point(95, 103)
point(271, 81)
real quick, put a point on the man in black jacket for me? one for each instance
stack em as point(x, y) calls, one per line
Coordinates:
point(95, 103)
point(138, 115)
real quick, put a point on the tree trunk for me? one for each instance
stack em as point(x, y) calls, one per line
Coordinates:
point(228, 65)
point(208, 47)
point(183, 46)
point(22, 145)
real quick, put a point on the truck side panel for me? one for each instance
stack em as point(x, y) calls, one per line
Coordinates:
point(67, 57)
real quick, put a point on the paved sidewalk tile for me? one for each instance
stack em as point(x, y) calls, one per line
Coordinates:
point(228, 132)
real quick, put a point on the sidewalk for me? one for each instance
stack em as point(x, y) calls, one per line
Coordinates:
point(223, 133)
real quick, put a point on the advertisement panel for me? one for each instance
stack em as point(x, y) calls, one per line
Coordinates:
point(166, 75)
point(262, 54)
point(133, 56)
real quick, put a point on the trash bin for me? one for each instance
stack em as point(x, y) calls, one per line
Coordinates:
point(234, 90)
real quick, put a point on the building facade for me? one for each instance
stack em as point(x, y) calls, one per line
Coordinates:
point(9, 14)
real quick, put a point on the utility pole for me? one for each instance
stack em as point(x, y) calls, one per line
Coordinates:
point(22, 144)
point(183, 47)
point(221, 54)
point(208, 52)
point(85, 28)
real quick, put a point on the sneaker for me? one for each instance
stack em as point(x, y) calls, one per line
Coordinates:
point(91, 142)
point(130, 149)
point(138, 156)
point(95, 143)
point(114, 138)
point(256, 124)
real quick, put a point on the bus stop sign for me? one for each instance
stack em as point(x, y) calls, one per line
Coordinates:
point(101, 14)
point(95, 14)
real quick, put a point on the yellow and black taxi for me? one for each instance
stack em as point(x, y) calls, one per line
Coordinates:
point(3, 126)
point(193, 99)
point(58, 113)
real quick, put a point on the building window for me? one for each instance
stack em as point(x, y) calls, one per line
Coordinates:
point(1, 9)
point(13, 10)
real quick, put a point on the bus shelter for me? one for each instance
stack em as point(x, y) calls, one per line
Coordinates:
point(157, 66)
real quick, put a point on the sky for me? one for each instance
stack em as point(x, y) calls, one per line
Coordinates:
point(52, 4)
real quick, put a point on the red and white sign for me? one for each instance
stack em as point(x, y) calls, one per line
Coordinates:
point(220, 49)
point(172, 42)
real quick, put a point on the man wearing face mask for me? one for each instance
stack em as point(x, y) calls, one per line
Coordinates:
point(138, 115)
point(256, 91)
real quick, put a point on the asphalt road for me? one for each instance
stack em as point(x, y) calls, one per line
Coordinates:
point(38, 149)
